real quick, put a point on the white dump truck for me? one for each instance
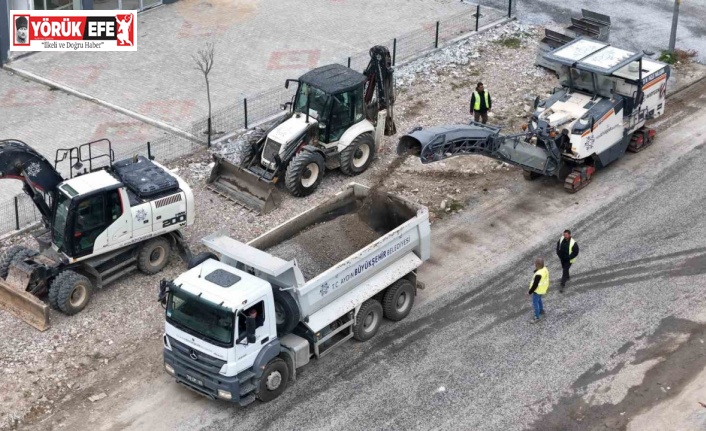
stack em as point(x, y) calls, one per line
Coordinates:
point(240, 323)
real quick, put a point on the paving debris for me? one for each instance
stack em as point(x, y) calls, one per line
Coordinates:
point(98, 397)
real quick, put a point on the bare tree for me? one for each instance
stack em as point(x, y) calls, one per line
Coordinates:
point(204, 63)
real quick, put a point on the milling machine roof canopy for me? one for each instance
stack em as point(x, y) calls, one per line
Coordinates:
point(593, 56)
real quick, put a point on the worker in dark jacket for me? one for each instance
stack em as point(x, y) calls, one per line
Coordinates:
point(567, 249)
point(480, 104)
point(538, 288)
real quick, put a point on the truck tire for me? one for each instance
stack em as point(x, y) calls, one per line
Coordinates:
point(304, 173)
point(273, 381)
point(16, 252)
point(154, 255)
point(201, 258)
point(356, 157)
point(286, 311)
point(367, 321)
point(398, 300)
point(70, 292)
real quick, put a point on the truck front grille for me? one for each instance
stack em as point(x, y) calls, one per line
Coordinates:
point(271, 150)
point(203, 363)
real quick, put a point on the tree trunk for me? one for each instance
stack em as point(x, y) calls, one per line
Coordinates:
point(208, 94)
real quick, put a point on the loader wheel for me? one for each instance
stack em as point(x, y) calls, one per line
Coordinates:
point(286, 311)
point(70, 292)
point(154, 255)
point(273, 381)
point(357, 156)
point(530, 176)
point(246, 151)
point(12, 254)
point(398, 300)
point(304, 173)
point(367, 321)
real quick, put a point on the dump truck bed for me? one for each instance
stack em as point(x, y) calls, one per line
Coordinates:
point(347, 241)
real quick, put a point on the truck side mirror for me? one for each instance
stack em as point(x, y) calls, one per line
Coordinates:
point(163, 291)
point(536, 102)
point(286, 84)
point(250, 326)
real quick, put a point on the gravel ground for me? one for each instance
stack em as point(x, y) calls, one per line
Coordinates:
point(42, 369)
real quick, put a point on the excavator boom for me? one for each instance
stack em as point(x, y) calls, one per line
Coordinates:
point(20, 161)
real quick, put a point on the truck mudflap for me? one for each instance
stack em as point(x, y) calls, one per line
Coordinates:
point(242, 186)
point(17, 301)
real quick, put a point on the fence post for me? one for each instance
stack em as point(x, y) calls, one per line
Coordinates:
point(245, 111)
point(349, 62)
point(509, 9)
point(477, 16)
point(17, 213)
point(436, 39)
point(394, 50)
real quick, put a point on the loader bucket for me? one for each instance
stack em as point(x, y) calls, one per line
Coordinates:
point(243, 186)
point(16, 301)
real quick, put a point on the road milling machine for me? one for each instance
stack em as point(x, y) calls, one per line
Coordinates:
point(606, 96)
point(336, 119)
point(99, 225)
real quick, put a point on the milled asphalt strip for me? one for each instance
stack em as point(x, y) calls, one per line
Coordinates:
point(152, 122)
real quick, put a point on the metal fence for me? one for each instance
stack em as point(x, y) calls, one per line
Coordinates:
point(260, 107)
point(20, 211)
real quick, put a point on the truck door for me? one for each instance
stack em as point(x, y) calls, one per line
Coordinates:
point(119, 217)
point(246, 353)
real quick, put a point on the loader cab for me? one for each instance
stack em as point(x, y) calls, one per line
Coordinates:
point(81, 221)
point(333, 95)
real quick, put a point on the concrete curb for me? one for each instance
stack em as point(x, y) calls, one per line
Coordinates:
point(25, 229)
point(152, 122)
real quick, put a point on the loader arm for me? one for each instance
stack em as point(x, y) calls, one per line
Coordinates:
point(20, 161)
point(381, 83)
point(439, 143)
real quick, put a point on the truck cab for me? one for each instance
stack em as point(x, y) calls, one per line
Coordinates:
point(220, 325)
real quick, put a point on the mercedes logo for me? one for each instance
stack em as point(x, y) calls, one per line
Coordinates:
point(193, 355)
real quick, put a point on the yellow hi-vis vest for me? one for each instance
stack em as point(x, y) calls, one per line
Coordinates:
point(476, 105)
point(571, 247)
point(543, 281)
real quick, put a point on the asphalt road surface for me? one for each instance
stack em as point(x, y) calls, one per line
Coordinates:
point(624, 341)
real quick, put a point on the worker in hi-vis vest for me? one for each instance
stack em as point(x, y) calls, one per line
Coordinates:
point(538, 288)
point(567, 249)
point(480, 104)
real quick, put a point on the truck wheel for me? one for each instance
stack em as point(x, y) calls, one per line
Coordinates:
point(367, 321)
point(273, 381)
point(12, 254)
point(304, 173)
point(154, 255)
point(286, 311)
point(201, 258)
point(398, 300)
point(357, 156)
point(70, 292)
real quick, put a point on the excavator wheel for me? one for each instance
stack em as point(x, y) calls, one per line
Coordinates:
point(305, 173)
point(154, 255)
point(12, 254)
point(357, 156)
point(70, 292)
point(578, 178)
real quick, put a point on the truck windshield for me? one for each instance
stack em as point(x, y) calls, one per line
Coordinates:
point(316, 98)
point(60, 216)
point(201, 318)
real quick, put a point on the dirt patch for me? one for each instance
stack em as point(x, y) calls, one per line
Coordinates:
point(325, 244)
